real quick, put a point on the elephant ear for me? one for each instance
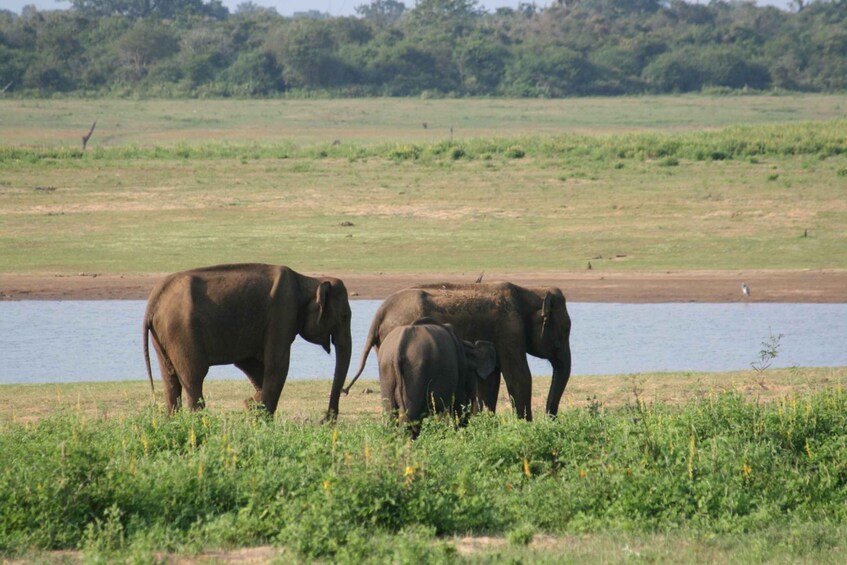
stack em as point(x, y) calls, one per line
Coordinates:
point(323, 291)
point(482, 357)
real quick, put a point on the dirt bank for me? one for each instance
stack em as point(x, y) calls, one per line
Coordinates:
point(585, 286)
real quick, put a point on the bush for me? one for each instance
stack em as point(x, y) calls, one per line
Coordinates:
point(223, 480)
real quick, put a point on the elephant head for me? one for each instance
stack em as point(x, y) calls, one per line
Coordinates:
point(328, 321)
point(551, 340)
point(480, 362)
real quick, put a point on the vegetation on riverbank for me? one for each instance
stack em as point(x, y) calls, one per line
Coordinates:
point(718, 471)
point(816, 139)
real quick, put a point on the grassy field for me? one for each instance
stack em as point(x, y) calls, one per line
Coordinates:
point(746, 467)
point(369, 121)
point(637, 183)
point(741, 467)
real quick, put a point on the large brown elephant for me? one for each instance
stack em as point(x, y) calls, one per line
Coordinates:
point(247, 315)
point(519, 321)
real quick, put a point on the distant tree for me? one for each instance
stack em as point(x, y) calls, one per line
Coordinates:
point(613, 7)
point(482, 58)
point(60, 56)
point(307, 52)
point(382, 12)
point(407, 69)
point(549, 71)
point(145, 8)
point(16, 36)
point(450, 17)
point(144, 44)
point(731, 67)
point(255, 73)
point(675, 71)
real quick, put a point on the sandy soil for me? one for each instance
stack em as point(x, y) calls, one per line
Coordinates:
point(586, 286)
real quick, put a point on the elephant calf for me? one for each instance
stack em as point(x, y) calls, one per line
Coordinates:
point(424, 367)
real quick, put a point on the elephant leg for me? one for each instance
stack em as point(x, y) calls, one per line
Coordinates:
point(191, 370)
point(173, 390)
point(255, 371)
point(554, 396)
point(194, 392)
point(490, 390)
point(170, 381)
point(276, 371)
point(519, 384)
point(390, 404)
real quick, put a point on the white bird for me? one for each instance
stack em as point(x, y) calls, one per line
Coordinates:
point(745, 290)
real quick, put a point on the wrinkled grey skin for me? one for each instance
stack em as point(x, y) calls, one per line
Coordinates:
point(519, 321)
point(424, 368)
point(247, 315)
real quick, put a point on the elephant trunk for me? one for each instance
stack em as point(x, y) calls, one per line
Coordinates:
point(343, 342)
point(561, 375)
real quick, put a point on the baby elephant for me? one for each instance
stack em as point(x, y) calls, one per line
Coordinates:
point(424, 367)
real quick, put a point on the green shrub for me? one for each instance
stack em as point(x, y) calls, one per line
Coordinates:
point(150, 483)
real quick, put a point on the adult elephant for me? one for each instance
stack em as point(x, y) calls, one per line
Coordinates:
point(519, 321)
point(424, 367)
point(247, 315)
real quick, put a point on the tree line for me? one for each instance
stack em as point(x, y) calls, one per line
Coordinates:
point(436, 48)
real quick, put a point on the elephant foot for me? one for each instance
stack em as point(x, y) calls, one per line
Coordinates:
point(257, 408)
point(330, 417)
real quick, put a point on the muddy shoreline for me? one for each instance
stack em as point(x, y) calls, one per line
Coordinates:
point(807, 286)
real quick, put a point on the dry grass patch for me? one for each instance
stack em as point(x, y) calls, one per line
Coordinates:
point(306, 401)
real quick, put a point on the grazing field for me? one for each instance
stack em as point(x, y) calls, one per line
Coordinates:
point(688, 191)
point(741, 467)
point(746, 467)
point(62, 122)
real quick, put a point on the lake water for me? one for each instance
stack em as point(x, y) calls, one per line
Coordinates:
point(72, 341)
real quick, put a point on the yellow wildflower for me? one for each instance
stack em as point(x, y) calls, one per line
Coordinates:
point(692, 451)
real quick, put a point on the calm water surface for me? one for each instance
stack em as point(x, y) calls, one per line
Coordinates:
point(72, 341)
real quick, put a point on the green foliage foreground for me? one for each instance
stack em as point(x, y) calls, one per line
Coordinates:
point(147, 483)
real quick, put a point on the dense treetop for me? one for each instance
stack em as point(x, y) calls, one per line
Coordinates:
point(439, 47)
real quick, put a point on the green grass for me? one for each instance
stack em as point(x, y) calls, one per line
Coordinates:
point(741, 197)
point(722, 476)
point(62, 122)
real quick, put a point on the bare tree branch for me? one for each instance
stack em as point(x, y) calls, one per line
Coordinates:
point(85, 138)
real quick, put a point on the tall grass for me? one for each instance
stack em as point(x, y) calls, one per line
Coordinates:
point(823, 139)
point(147, 483)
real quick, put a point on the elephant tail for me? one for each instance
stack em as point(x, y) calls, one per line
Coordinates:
point(148, 328)
point(371, 341)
